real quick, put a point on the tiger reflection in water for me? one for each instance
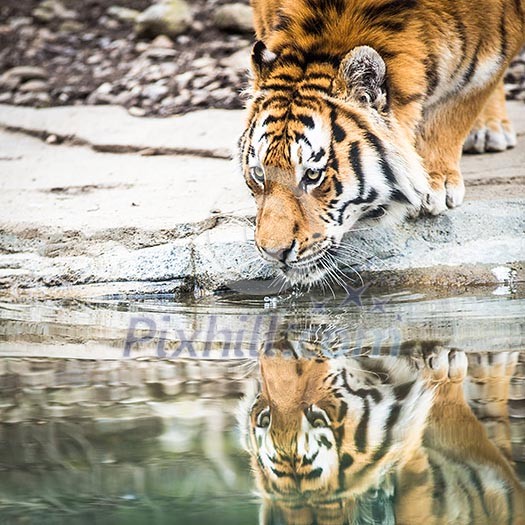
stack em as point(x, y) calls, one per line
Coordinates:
point(388, 440)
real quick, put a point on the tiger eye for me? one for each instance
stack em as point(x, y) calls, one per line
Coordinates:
point(312, 176)
point(257, 174)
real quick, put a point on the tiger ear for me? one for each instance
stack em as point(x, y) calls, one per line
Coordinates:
point(262, 60)
point(363, 74)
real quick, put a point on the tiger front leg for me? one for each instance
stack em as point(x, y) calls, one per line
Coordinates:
point(441, 153)
point(440, 141)
point(492, 130)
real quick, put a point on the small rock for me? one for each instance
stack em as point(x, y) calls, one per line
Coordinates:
point(183, 39)
point(94, 59)
point(124, 14)
point(234, 17)
point(104, 89)
point(140, 47)
point(203, 62)
point(239, 61)
point(49, 10)
point(160, 52)
point(34, 86)
point(154, 92)
point(26, 73)
point(20, 21)
point(70, 26)
point(162, 41)
point(184, 79)
point(5, 97)
point(52, 139)
point(9, 83)
point(135, 111)
point(171, 18)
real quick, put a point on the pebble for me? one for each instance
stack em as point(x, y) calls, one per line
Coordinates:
point(238, 61)
point(154, 92)
point(26, 72)
point(34, 86)
point(136, 111)
point(171, 17)
point(124, 14)
point(162, 41)
point(235, 17)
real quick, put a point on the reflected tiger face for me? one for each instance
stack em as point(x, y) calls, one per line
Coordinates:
point(320, 152)
point(321, 430)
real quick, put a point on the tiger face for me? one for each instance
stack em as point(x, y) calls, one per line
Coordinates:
point(321, 430)
point(322, 151)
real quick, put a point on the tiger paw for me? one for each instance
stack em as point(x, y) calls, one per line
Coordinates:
point(449, 196)
point(490, 136)
point(446, 366)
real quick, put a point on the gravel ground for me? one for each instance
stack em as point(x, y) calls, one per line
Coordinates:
point(84, 54)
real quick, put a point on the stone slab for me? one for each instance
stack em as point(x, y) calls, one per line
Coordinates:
point(111, 128)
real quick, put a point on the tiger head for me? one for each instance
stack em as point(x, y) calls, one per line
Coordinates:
point(325, 434)
point(321, 151)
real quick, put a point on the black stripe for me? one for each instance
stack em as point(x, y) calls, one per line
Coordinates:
point(438, 489)
point(503, 32)
point(307, 121)
point(463, 35)
point(519, 9)
point(308, 461)
point(313, 25)
point(318, 75)
point(431, 73)
point(404, 100)
point(391, 421)
point(476, 481)
point(285, 77)
point(388, 172)
point(316, 157)
point(470, 500)
point(324, 441)
point(283, 22)
point(398, 196)
point(277, 86)
point(337, 131)
point(343, 409)
point(280, 473)
point(270, 119)
point(471, 68)
point(337, 185)
point(402, 391)
point(355, 161)
point(370, 198)
point(314, 474)
point(345, 462)
point(361, 432)
point(393, 8)
point(395, 26)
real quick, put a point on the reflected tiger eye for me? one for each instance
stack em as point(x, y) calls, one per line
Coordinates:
point(319, 423)
point(263, 419)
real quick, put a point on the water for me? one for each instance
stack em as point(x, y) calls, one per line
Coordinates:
point(133, 410)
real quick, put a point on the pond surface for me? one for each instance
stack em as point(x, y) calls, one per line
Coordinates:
point(356, 408)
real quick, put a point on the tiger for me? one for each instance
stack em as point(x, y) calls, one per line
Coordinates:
point(380, 440)
point(359, 110)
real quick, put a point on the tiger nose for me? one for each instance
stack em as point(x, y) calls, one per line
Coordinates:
point(279, 254)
